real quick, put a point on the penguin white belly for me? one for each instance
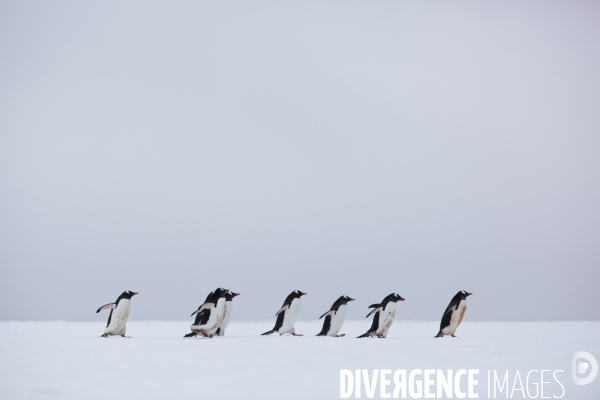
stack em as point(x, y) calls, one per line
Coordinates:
point(456, 319)
point(290, 316)
point(386, 319)
point(228, 309)
point(118, 318)
point(337, 321)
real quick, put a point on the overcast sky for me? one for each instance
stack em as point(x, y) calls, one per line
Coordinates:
point(339, 148)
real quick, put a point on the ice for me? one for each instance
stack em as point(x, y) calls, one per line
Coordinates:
point(69, 360)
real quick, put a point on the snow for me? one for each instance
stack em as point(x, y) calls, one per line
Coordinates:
point(69, 360)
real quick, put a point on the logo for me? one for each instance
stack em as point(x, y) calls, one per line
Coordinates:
point(582, 363)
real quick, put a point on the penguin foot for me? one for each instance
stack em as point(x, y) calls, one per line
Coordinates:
point(296, 334)
point(105, 335)
point(452, 335)
point(342, 335)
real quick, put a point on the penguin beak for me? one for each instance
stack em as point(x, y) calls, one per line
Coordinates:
point(469, 294)
point(402, 299)
point(351, 299)
point(302, 294)
point(134, 293)
point(235, 294)
point(226, 290)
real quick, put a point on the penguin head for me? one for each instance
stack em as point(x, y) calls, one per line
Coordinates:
point(394, 297)
point(345, 299)
point(298, 293)
point(464, 294)
point(220, 292)
point(128, 294)
point(230, 295)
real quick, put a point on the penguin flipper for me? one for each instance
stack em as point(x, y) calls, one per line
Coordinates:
point(374, 306)
point(327, 313)
point(202, 307)
point(202, 317)
point(373, 311)
point(284, 308)
point(108, 306)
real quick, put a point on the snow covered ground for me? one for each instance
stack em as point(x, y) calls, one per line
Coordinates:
point(69, 360)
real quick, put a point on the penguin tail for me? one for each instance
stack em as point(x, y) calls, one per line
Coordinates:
point(269, 332)
point(366, 334)
point(191, 334)
point(438, 335)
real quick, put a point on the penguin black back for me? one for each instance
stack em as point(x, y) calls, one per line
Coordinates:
point(374, 326)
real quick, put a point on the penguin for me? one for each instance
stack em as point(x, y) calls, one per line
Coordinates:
point(209, 315)
point(119, 314)
point(287, 314)
point(228, 309)
point(335, 317)
point(454, 314)
point(384, 316)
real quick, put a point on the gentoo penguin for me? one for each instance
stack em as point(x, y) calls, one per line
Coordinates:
point(335, 317)
point(287, 314)
point(210, 314)
point(228, 309)
point(384, 316)
point(454, 314)
point(119, 313)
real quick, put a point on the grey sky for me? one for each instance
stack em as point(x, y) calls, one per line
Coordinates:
point(356, 148)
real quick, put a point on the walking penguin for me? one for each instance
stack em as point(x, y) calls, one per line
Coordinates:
point(119, 314)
